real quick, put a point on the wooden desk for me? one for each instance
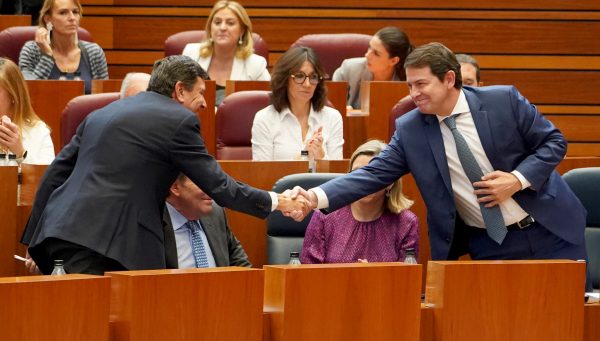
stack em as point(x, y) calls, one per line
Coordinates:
point(106, 85)
point(8, 212)
point(30, 179)
point(374, 301)
point(252, 231)
point(591, 329)
point(70, 307)
point(49, 102)
point(373, 121)
point(187, 304)
point(207, 117)
point(11, 20)
point(232, 86)
point(506, 300)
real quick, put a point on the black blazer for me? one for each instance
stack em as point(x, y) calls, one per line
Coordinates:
point(106, 189)
point(225, 247)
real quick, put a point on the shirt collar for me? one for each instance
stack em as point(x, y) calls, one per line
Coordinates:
point(460, 107)
point(177, 219)
point(286, 111)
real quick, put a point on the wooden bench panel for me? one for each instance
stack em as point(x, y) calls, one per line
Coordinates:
point(7, 21)
point(550, 87)
point(458, 4)
point(578, 128)
point(471, 36)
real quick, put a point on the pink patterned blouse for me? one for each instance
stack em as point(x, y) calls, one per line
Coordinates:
point(339, 238)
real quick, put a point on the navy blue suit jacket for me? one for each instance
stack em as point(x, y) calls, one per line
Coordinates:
point(106, 189)
point(514, 135)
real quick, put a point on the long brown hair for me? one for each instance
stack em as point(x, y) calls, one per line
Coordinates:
point(289, 63)
point(13, 82)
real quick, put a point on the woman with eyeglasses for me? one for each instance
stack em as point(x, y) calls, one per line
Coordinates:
point(384, 61)
point(297, 119)
point(56, 52)
point(377, 228)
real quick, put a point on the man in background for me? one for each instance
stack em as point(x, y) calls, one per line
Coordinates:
point(196, 230)
point(469, 68)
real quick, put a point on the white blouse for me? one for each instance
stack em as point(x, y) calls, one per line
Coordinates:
point(278, 135)
point(38, 144)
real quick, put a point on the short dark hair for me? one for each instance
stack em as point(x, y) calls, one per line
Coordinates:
point(289, 63)
point(466, 59)
point(397, 44)
point(439, 58)
point(170, 70)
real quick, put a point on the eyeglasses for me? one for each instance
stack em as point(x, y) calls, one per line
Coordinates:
point(300, 77)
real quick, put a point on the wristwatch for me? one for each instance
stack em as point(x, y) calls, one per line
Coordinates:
point(20, 159)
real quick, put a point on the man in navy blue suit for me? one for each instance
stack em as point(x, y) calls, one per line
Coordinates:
point(516, 151)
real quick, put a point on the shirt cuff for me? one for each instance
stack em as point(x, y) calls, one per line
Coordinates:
point(274, 201)
point(322, 201)
point(524, 182)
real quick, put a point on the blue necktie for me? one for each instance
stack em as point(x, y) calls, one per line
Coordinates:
point(492, 216)
point(197, 244)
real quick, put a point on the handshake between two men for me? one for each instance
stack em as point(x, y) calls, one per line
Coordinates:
point(297, 203)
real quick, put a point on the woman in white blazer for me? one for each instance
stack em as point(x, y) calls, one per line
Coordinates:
point(227, 53)
point(384, 61)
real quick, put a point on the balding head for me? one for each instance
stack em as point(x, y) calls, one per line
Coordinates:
point(134, 83)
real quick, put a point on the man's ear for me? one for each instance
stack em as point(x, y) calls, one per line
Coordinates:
point(174, 190)
point(178, 92)
point(450, 78)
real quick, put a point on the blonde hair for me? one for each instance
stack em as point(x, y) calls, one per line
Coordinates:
point(47, 9)
point(395, 199)
point(13, 82)
point(246, 48)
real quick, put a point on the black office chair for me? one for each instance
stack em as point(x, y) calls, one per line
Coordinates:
point(585, 182)
point(284, 235)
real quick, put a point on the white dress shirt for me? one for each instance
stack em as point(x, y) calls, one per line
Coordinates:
point(183, 239)
point(466, 201)
point(278, 135)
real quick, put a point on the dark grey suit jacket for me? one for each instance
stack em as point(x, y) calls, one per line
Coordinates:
point(106, 189)
point(225, 247)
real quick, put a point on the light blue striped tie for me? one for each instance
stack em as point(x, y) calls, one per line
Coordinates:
point(197, 244)
point(492, 216)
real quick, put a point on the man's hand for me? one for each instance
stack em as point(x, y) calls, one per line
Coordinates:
point(296, 208)
point(10, 137)
point(495, 187)
point(31, 266)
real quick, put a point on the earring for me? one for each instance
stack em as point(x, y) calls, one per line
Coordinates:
point(241, 41)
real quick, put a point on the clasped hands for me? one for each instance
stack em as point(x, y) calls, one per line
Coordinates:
point(296, 203)
point(10, 137)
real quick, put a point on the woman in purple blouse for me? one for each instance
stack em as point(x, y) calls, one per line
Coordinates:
point(376, 228)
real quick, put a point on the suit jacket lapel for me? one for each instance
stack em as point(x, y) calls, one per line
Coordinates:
point(482, 124)
point(171, 259)
point(212, 238)
point(436, 143)
point(237, 69)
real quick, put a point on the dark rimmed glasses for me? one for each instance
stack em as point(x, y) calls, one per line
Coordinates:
point(300, 77)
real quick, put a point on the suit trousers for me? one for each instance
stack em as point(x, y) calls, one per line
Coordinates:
point(76, 258)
